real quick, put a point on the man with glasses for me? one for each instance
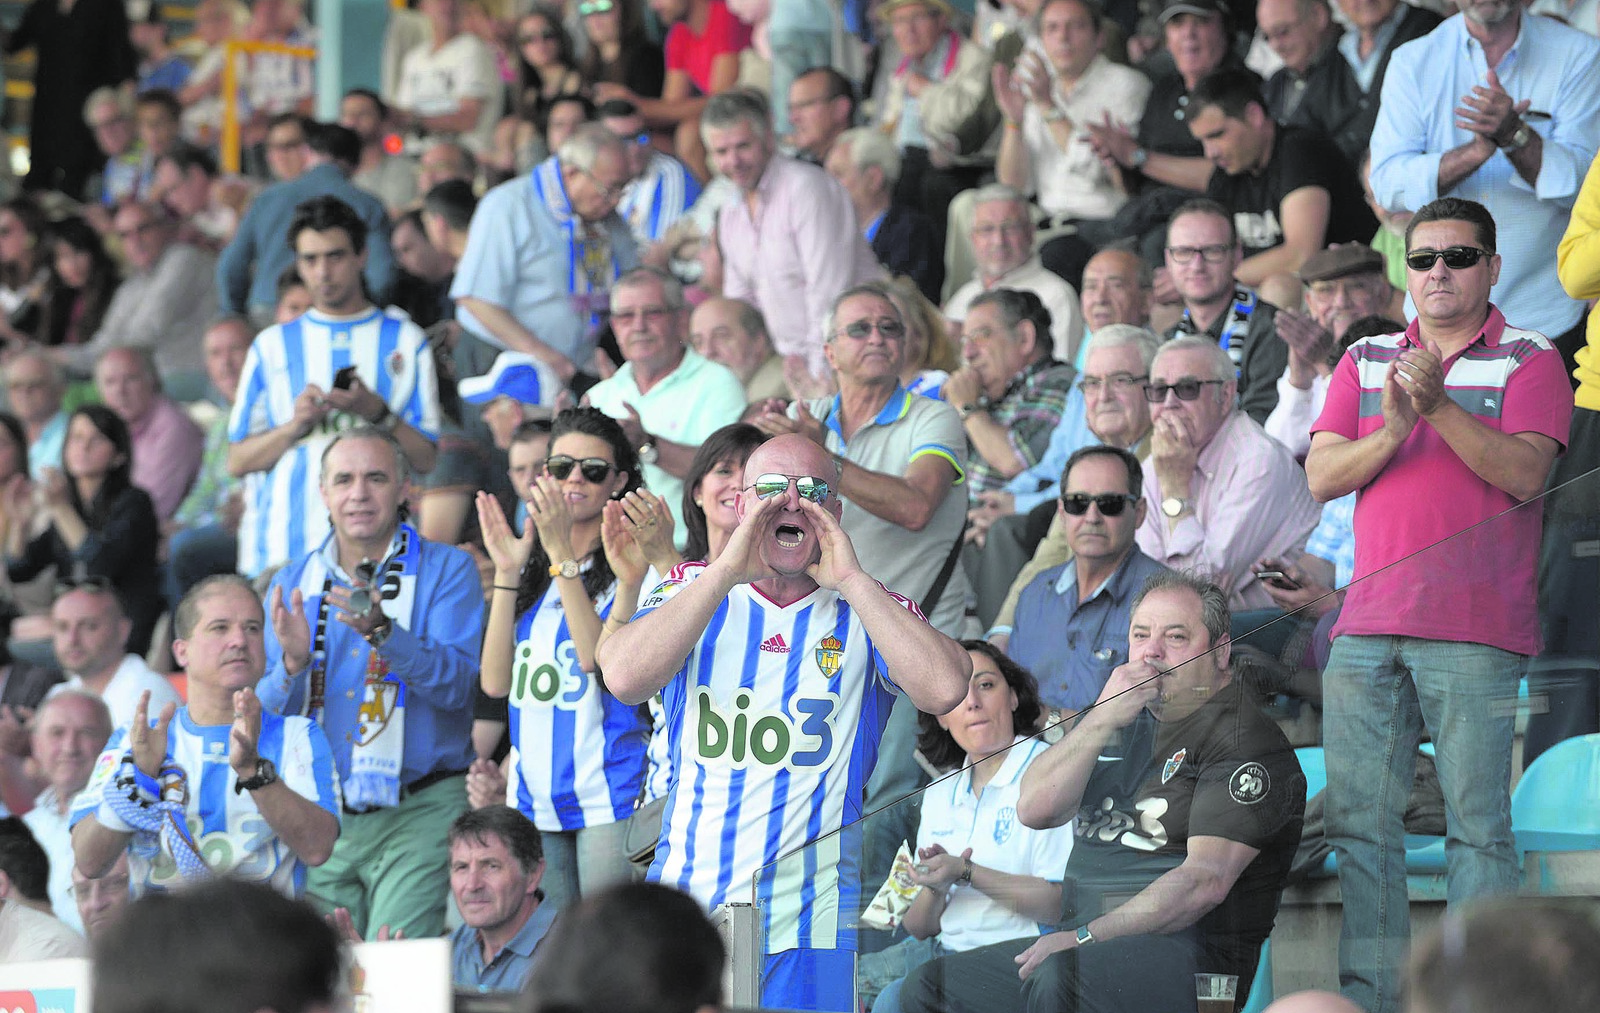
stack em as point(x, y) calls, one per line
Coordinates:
point(1002, 245)
point(1439, 430)
point(34, 388)
point(822, 105)
point(667, 397)
point(375, 636)
point(660, 188)
point(108, 112)
point(1221, 492)
point(1203, 251)
point(543, 251)
point(1085, 604)
point(778, 663)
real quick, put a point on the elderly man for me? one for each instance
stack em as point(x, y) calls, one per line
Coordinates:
point(667, 397)
point(69, 730)
point(542, 253)
point(496, 862)
point(1500, 107)
point(1401, 662)
point(1010, 391)
point(90, 636)
point(167, 445)
point(791, 242)
point(1116, 290)
point(34, 387)
point(1086, 602)
point(108, 113)
point(342, 363)
point(1290, 189)
point(376, 620)
point(1189, 804)
point(660, 188)
point(221, 754)
point(1342, 285)
point(248, 270)
point(822, 105)
point(1203, 250)
point(1002, 244)
point(1222, 493)
point(162, 305)
point(845, 662)
point(734, 333)
point(101, 900)
point(867, 165)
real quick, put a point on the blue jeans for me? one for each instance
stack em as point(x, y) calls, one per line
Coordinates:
point(1379, 692)
point(578, 863)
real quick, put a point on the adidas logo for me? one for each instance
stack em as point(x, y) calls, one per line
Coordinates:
point(775, 644)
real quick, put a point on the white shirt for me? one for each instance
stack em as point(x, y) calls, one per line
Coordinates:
point(122, 693)
point(1061, 299)
point(433, 82)
point(1290, 421)
point(26, 934)
point(54, 833)
point(1073, 182)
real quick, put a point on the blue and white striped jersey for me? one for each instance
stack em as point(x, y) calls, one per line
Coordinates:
point(651, 203)
point(283, 514)
point(232, 835)
point(577, 752)
point(773, 727)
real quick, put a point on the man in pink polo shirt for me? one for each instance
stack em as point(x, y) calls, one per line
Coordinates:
point(1438, 429)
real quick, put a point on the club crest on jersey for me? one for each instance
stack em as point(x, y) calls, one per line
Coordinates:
point(1170, 768)
point(830, 655)
point(1005, 821)
point(396, 363)
point(1249, 784)
point(376, 710)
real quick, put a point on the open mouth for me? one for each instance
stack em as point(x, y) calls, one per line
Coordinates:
point(789, 535)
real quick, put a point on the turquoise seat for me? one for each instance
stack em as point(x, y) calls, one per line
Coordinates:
point(1556, 805)
point(1261, 988)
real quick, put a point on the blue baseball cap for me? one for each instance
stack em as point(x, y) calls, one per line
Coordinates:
point(516, 375)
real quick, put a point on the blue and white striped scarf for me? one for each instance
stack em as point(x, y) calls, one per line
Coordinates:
point(591, 262)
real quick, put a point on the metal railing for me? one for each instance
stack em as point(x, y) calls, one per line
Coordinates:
point(229, 153)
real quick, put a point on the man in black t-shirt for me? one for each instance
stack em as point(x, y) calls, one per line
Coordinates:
point(1291, 190)
point(1188, 803)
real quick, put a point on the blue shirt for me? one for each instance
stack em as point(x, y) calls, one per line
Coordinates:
point(437, 657)
point(1334, 538)
point(1554, 67)
point(508, 971)
point(1072, 646)
point(248, 269)
point(1042, 482)
point(45, 452)
point(1366, 70)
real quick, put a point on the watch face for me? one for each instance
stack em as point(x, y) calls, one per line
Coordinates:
point(569, 569)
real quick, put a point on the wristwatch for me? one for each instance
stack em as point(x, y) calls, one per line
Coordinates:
point(1085, 937)
point(567, 568)
point(648, 452)
point(1519, 138)
point(380, 634)
point(1172, 506)
point(966, 871)
point(966, 411)
point(265, 774)
point(387, 421)
point(1138, 158)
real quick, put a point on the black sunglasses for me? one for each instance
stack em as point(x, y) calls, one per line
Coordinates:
point(595, 469)
point(1187, 390)
point(1111, 504)
point(1456, 258)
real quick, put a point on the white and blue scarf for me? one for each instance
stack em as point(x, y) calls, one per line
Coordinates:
point(591, 262)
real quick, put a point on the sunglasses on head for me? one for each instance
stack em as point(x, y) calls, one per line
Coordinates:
point(1456, 258)
point(1111, 504)
point(594, 469)
point(594, 7)
point(768, 486)
point(1187, 390)
point(97, 584)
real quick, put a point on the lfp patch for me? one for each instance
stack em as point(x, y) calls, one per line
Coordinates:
point(1170, 768)
point(830, 653)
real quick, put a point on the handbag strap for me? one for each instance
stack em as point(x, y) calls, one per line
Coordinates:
point(930, 601)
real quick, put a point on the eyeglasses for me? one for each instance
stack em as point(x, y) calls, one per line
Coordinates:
point(1187, 390)
point(537, 37)
point(1111, 504)
point(860, 330)
point(1209, 254)
point(1456, 258)
point(768, 486)
point(1116, 382)
point(611, 192)
point(594, 469)
point(1003, 229)
point(643, 314)
point(595, 7)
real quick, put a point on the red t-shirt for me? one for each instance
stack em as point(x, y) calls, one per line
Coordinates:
point(694, 54)
point(1478, 584)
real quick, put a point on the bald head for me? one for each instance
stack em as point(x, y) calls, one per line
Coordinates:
point(1314, 1002)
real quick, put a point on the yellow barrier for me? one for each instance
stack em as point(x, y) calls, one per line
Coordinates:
point(230, 90)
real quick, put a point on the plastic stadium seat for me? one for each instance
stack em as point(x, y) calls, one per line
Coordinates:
point(1556, 805)
point(1314, 764)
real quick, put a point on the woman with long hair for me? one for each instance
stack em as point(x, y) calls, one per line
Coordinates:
point(545, 73)
point(24, 269)
point(619, 50)
point(99, 523)
point(85, 280)
point(578, 754)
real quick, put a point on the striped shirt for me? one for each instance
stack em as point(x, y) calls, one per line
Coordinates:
point(577, 752)
point(283, 514)
point(1430, 562)
point(660, 197)
point(773, 726)
point(230, 831)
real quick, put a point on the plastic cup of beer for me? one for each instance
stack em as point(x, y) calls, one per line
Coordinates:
point(1216, 993)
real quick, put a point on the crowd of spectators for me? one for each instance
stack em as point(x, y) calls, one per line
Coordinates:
point(643, 439)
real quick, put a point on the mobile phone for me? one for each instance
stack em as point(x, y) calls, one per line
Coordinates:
point(1279, 579)
point(344, 378)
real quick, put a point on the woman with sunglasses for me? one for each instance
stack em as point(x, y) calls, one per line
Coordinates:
point(578, 754)
point(96, 523)
point(985, 877)
point(545, 72)
point(619, 50)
